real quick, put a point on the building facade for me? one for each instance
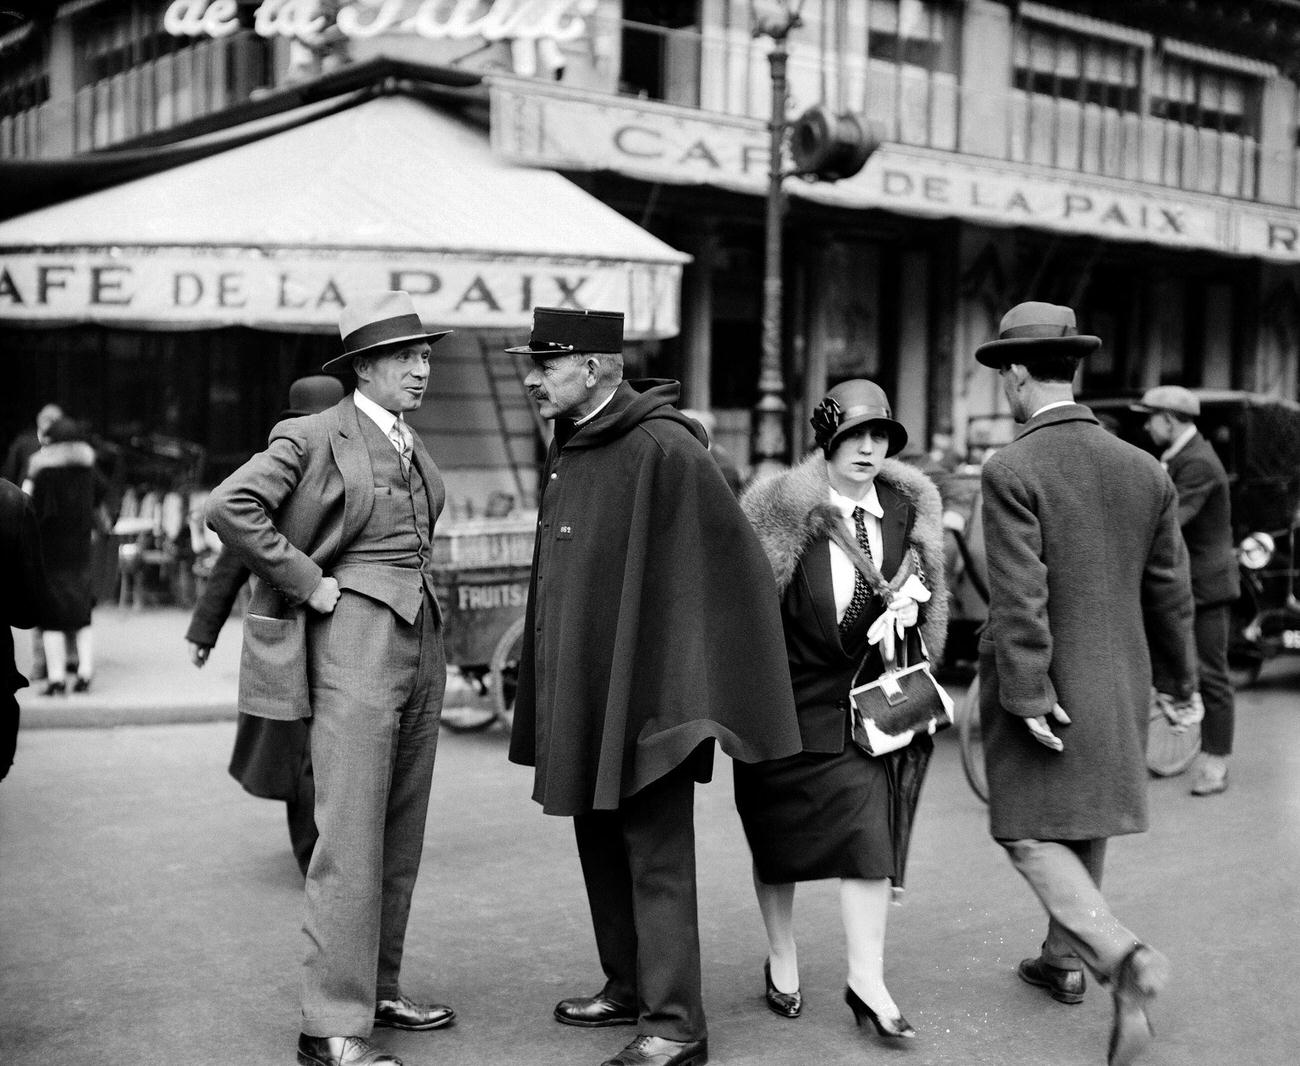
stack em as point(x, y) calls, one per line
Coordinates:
point(1138, 161)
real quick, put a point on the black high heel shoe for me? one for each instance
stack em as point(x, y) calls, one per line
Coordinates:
point(896, 1028)
point(786, 1004)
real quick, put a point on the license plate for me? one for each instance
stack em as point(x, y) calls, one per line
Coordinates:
point(1291, 639)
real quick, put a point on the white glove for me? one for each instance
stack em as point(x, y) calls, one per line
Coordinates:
point(900, 612)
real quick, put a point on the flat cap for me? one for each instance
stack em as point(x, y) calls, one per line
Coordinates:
point(1173, 398)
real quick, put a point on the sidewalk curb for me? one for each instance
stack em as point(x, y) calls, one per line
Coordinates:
point(73, 713)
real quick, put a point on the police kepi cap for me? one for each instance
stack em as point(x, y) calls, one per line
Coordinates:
point(851, 404)
point(1173, 398)
point(376, 320)
point(1035, 329)
point(564, 331)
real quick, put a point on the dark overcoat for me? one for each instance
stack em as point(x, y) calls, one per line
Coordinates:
point(1205, 513)
point(66, 492)
point(652, 627)
point(288, 513)
point(1090, 599)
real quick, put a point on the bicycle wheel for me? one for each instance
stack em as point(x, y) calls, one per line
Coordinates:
point(504, 671)
point(971, 741)
point(1170, 753)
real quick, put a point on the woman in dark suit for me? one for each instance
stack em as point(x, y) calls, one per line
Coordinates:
point(850, 533)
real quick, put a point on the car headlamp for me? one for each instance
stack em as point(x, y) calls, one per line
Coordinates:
point(1255, 551)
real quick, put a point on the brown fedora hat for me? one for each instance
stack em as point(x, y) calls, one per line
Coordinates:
point(1035, 328)
point(378, 320)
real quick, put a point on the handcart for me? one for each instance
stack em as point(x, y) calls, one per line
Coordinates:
point(481, 571)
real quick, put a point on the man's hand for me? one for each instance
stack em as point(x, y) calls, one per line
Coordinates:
point(325, 596)
point(1181, 713)
point(199, 653)
point(1042, 732)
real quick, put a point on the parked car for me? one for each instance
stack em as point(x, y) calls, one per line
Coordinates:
point(1258, 439)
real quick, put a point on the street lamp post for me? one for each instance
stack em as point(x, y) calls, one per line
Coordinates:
point(770, 445)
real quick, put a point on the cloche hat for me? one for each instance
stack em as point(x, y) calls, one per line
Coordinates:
point(378, 320)
point(313, 394)
point(851, 404)
point(1035, 329)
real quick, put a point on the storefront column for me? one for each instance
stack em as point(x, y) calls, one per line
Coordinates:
point(911, 395)
point(697, 323)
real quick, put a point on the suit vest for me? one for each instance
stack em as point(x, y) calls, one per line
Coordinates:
point(391, 558)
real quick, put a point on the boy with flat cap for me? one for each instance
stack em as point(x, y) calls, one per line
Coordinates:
point(1205, 515)
point(1090, 601)
point(652, 631)
point(335, 519)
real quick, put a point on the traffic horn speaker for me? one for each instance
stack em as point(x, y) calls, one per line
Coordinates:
point(829, 147)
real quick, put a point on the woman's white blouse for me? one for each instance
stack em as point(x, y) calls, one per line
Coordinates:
point(842, 570)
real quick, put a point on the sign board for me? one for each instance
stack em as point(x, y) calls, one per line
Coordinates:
point(191, 288)
point(549, 127)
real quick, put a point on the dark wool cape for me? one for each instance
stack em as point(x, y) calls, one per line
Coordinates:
point(651, 628)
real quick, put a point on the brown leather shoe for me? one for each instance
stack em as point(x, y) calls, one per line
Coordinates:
point(341, 1051)
point(594, 1012)
point(1136, 983)
point(401, 1013)
point(658, 1051)
point(1064, 986)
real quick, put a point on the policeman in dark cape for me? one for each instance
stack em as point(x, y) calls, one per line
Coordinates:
point(652, 631)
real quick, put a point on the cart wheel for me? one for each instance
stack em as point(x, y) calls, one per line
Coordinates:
point(971, 740)
point(504, 671)
point(472, 718)
point(1170, 753)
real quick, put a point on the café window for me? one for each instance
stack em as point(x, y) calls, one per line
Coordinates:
point(1072, 66)
point(24, 81)
point(1208, 97)
point(916, 33)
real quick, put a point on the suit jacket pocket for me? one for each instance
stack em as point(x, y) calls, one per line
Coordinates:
point(273, 667)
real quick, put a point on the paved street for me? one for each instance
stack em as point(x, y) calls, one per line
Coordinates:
point(149, 913)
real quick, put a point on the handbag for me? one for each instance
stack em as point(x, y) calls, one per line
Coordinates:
point(888, 713)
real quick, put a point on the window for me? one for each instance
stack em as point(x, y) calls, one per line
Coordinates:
point(914, 33)
point(1195, 94)
point(1067, 65)
point(24, 83)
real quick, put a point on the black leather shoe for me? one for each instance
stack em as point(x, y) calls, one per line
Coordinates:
point(1136, 983)
point(659, 1051)
point(896, 1028)
point(341, 1051)
point(1064, 986)
point(401, 1013)
point(594, 1012)
point(786, 1004)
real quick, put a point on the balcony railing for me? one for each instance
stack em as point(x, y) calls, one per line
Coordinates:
point(209, 75)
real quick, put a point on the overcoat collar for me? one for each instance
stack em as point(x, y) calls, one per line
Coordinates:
point(1075, 412)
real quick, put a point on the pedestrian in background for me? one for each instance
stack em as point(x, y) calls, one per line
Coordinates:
point(1205, 515)
point(1090, 601)
point(18, 457)
point(336, 519)
point(651, 631)
point(851, 535)
point(730, 470)
point(27, 602)
point(271, 758)
point(68, 494)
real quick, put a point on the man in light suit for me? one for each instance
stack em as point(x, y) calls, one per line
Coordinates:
point(1090, 604)
point(1205, 514)
point(335, 519)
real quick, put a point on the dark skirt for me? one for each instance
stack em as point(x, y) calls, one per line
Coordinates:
point(814, 816)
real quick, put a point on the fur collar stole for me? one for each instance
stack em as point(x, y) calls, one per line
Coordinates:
point(790, 511)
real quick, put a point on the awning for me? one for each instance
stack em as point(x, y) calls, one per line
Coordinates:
point(278, 233)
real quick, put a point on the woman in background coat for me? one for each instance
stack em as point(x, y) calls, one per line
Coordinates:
point(832, 810)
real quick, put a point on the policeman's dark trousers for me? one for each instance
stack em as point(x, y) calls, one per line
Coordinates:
point(1215, 685)
point(376, 690)
point(1066, 877)
point(639, 865)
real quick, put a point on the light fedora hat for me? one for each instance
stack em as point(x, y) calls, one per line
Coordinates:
point(377, 320)
point(1035, 329)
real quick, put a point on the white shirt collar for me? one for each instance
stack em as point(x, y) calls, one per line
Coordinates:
point(380, 416)
point(1049, 406)
point(596, 410)
point(1179, 443)
point(869, 503)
